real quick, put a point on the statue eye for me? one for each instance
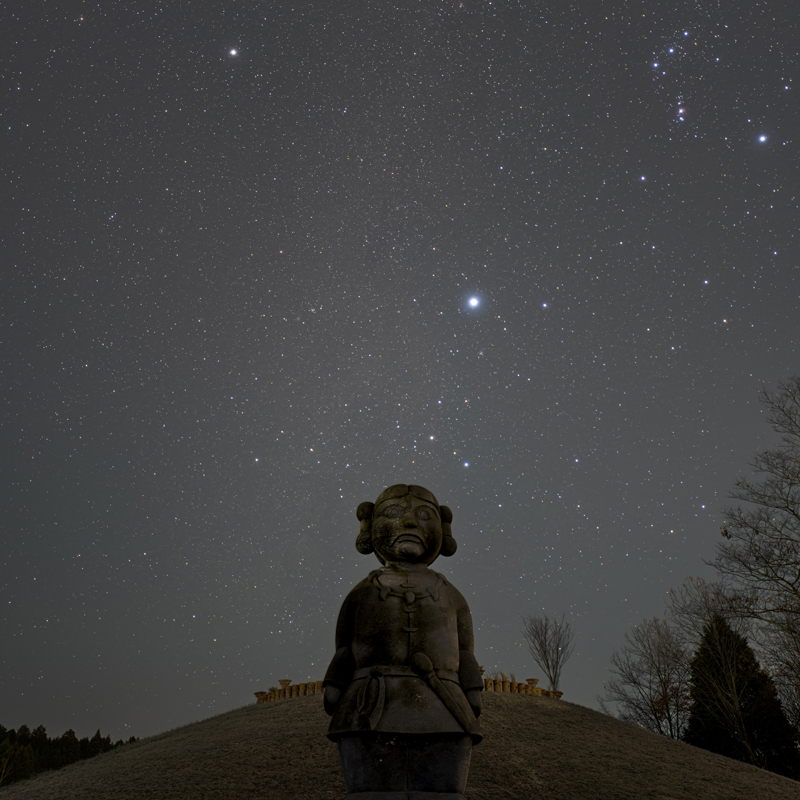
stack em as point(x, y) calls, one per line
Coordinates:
point(424, 513)
point(393, 511)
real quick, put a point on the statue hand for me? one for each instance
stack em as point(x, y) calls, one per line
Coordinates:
point(474, 699)
point(331, 699)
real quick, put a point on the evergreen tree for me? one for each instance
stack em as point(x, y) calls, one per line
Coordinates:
point(39, 738)
point(70, 747)
point(42, 749)
point(8, 755)
point(99, 744)
point(735, 709)
point(23, 735)
point(26, 764)
point(24, 752)
point(16, 761)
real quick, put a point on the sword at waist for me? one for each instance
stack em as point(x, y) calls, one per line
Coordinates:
point(379, 672)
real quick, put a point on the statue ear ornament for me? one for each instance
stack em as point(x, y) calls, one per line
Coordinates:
point(448, 542)
point(364, 540)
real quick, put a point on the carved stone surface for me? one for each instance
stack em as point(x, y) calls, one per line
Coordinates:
point(403, 688)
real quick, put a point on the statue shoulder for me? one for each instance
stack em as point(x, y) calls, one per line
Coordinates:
point(454, 596)
point(363, 586)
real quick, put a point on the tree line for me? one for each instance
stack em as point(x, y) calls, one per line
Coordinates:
point(24, 752)
point(722, 669)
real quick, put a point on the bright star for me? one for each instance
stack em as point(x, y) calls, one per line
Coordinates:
point(234, 52)
point(762, 138)
point(473, 302)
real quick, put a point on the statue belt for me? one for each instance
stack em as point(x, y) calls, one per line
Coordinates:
point(378, 673)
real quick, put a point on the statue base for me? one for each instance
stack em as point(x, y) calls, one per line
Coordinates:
point(394, 766)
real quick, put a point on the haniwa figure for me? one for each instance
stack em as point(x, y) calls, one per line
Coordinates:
point(404, 687)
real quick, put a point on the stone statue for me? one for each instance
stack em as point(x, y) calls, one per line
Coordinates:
point(403, 688)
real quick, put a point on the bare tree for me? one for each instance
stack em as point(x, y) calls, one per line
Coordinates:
point(696, 602)
point(651, 683)
point(780, 646)
point(717, 621)
point(761, 551)
point(759, 558)
point(550, 644)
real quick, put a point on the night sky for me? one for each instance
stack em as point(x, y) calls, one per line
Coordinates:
point(262, 259)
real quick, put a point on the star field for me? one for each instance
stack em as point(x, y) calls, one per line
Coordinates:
point(262, 260)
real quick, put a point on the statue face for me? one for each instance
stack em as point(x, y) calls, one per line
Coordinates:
point(406, 530)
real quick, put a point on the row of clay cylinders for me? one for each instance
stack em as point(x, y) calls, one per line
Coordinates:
point(529, 687)
point(289, 690)
point(499, 685)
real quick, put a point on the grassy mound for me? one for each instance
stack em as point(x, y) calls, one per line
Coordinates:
point(535, 749)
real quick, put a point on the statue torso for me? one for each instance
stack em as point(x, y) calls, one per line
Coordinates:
point(397, 614)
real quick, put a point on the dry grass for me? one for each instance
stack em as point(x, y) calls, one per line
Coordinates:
point(535, 749)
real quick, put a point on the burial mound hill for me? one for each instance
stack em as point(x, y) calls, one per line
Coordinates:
point(535, 749)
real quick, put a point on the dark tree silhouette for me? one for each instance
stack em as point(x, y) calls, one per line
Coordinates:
point(23, 735)
point(735, 709)
point(16, 761)
point(70, 748)
point(24, 752)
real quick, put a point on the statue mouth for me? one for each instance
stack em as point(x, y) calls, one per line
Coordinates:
point(408, 537)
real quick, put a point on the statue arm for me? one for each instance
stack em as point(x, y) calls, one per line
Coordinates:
point(340, 671)
point(469, 673)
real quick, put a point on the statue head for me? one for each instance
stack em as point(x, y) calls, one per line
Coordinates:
point(405, 524)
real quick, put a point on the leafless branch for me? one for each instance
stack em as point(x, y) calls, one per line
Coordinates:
point(651, 683)
point(550, 642)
